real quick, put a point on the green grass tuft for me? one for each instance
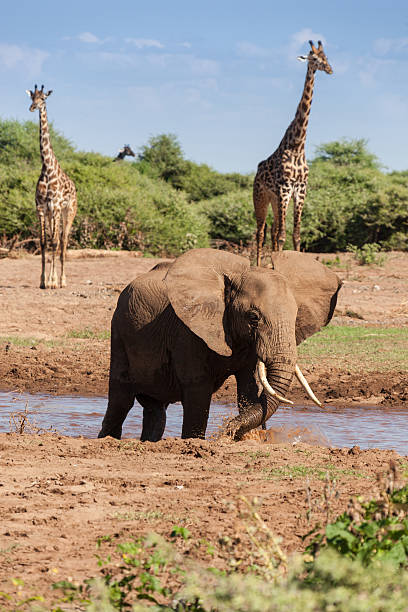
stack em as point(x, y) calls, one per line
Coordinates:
point(89, 334)
point(377, 349)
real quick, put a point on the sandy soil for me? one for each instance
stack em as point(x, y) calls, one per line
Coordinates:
point(63, 363)
point(59, 494)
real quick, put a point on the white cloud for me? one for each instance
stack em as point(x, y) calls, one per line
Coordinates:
point(247, 49)
point(157, 98)
point(14, 56)
point(299, 39)
point(143, 43)
point(195, 65)
point(88, 37)
point(186, 44)
point(383, 46)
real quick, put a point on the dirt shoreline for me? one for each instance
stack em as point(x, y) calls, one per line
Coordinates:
point(84, 372)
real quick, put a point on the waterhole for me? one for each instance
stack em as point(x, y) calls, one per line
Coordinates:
point(365, 426)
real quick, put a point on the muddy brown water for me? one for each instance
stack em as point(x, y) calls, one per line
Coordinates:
point(365, 426)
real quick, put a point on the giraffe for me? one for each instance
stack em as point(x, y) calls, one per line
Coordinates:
point(126, 150)
point(284, 174)
point(55, 197)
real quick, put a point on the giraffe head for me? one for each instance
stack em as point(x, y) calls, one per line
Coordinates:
point(127, 151)
point(38, 97)
point(317, 58)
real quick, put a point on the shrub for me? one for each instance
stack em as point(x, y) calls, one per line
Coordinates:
point(371, 531)
point(164, 204)
point(368, 254)
point(117, 207)
point(231, 217)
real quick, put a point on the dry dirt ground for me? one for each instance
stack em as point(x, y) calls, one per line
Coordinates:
point(59, 495)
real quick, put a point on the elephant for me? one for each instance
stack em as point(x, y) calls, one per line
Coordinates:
point(181, 329)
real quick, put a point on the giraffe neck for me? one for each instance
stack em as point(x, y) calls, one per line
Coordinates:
point(295, 135)
point(47, 154)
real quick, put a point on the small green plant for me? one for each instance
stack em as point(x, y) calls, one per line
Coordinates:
point(17, 602)
point(371, 531)
point(368, 254)
point(332, 263)
point(142, 574)
point(181, 532)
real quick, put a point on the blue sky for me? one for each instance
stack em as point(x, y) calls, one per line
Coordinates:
point(221, 75)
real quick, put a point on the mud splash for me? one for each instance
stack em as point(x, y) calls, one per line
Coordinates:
point(365, 426)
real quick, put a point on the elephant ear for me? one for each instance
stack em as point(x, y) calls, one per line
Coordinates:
point(314, 287)
point(196, 287)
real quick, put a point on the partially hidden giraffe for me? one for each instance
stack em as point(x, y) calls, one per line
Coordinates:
point(284, 174)
point(125, 151)
point(55, 197)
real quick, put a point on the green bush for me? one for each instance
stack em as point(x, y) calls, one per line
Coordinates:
point(200, 182)
point(162, 158)
point(164, 204)
point(351, 201)
point(118, 207)
point(151, 574)
point(231, 217)
point(368, 254)
point(370, 531)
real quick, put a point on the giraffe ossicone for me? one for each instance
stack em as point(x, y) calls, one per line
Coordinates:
point(55, 197)
point(284, 174)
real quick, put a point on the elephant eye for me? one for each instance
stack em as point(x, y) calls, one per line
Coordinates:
point(253, 317)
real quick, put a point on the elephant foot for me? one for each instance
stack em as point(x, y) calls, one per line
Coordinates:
point(113, 434)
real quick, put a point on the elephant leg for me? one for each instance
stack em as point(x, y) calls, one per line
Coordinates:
point(154, 418)
point(121, 399)
point(196, 402)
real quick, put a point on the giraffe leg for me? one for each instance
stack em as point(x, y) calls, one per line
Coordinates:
point(275, 225)
point(54, 219)
point(68, 215)
point(261, 210)
point(284, 199)
point(299, 195)
point(43, 245)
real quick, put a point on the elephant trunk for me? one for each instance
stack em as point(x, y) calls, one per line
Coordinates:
point(273, 376)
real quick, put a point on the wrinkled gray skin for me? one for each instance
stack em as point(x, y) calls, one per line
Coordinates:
point(180, 330)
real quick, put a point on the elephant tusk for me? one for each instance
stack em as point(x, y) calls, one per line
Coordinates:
point(261, 369)
point(306, 386)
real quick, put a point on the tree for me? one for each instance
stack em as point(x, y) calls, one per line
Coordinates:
point(347, 153)
point(162, 157)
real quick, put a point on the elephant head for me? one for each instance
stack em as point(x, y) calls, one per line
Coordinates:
point(232, 306)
